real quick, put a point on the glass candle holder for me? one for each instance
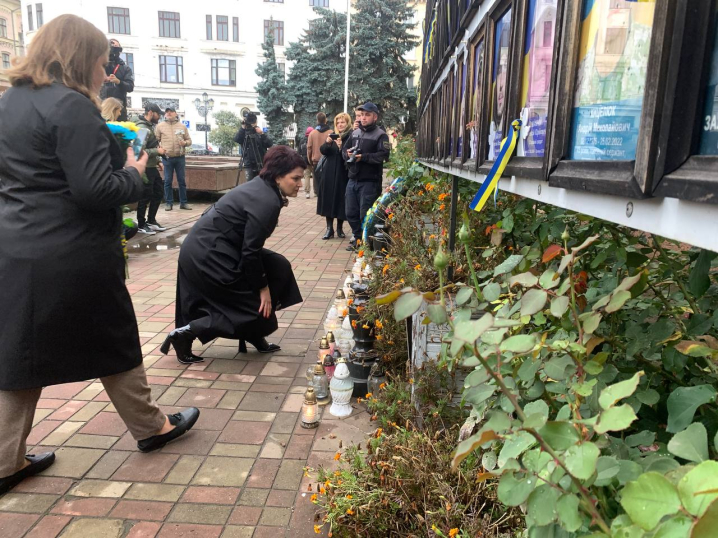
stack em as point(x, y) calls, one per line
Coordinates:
point(310, 410)
point(320, 383)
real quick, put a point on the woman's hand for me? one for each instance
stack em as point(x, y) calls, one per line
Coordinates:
point(329, 140)
point(140, 165)
point(338, 142)
point(265, 302)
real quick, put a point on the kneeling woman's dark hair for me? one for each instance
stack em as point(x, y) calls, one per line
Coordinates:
point(279, 161)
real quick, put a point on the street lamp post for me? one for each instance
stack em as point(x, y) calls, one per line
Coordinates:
point(204, 107)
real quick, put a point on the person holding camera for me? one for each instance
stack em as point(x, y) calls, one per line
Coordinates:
point(120, 81)
point(254, 143)
point(365, 154)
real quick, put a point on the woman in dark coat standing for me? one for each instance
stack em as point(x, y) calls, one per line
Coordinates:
point(65, 312)
point(331, 200)
point(228, 284)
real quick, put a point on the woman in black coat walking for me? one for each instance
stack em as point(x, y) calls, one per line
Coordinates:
point(228, 284)
point(331, 200)
point(65, 312)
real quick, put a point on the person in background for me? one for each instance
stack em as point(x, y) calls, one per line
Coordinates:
point(155, 185)
point(314, 142)
point(111, 109)
point(65, 312)
point(254, 144)
point(174, 137)
point(331, 201)
point(365, 155)
point(228, 284)
point(120, 80)
point(308, 171)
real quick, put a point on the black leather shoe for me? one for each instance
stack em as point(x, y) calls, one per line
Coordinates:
point(340, 234)
point(182, 422)
point(329, 234)
point(352, 246)
point(181, 340)
point(37, 464)
point(261, 344)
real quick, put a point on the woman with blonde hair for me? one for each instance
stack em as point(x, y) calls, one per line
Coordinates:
point(111, 109)
point(65, 312)
point(330, 203)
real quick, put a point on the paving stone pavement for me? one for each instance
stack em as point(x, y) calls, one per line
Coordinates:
point(241, 471)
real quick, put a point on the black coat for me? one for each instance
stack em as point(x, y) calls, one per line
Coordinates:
point(375, 148)
point(119, 91)
point(223, 264)
point(65, 313)
point(333, 187)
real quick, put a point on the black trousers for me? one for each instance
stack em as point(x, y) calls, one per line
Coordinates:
point(251, 171)
point(360, 196)
point(154, 191)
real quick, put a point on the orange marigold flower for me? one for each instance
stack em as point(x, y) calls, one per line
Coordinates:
point(453, 532)
point(349, 497)
point(360, 254)
point(337, 457)
point(360, 309)
point(365, 326)
point(322, 491)
point(379, 337)
point(391, 216)
point(442, 207)
point(350, 302)
point(382, 386)
point(350, 511)
point(337, 473)
point(354, 324)
point(417, 267)
point(378, 433)
point(368, 395)
point(421, 193)
point(385, 269)
point(317, 529)
point(378, 324)
point(313, 498)
point(411, 381)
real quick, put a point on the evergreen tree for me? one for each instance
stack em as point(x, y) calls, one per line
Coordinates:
point(272, 92)
point(316, 80)
point(381, 36)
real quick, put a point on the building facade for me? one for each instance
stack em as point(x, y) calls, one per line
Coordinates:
point(178, 50)
point(11, 38)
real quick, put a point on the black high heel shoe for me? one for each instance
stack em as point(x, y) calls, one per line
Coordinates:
point(329, 234)
point(261, 344)
point(181, 340)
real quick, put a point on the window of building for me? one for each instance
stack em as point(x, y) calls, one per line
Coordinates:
point(39, 15)
point(5, 60)
point(277, 28)
point(319, 3)
point(129, 59)
point(709, 129)
point(118, 20)
point(30, 24)
point(169, 24)
point(235, 29)
point(3, 27)
point(224, 73)
point(171, 69)
point(209, 27)
point(282, 67)
point(222, 28)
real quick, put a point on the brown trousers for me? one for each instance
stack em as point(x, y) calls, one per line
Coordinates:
point(308, 176)
point(128, 391)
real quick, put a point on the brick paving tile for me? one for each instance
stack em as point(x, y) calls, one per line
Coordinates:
point(84, 507)
point(142, 510)
point(49, 527)
point(238, 473)
point(16, 525)
point(144, 529)
point(174, 530)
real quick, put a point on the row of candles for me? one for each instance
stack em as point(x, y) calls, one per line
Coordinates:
point(330, 375)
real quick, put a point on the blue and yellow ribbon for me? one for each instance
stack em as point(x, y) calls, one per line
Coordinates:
point(491, 182)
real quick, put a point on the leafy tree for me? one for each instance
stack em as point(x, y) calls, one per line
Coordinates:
point(316, 81)
point(272, 92)
point(228, 124)
point(381, 36)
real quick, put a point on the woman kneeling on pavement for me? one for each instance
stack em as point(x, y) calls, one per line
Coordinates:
point(65, 312)
point(228, 284)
